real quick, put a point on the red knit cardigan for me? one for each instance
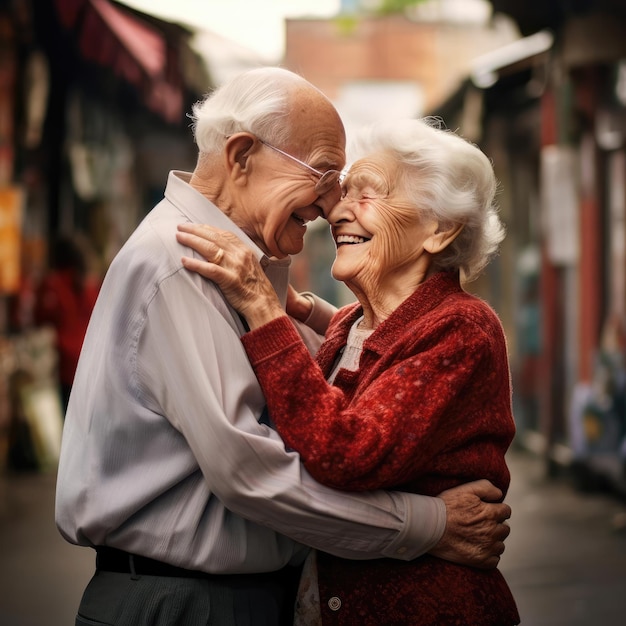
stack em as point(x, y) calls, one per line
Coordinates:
point(428, 409)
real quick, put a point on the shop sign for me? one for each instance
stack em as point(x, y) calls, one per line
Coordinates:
point(10, 228)
point(559, 203)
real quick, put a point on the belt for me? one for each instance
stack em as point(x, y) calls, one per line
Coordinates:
point(114, 560)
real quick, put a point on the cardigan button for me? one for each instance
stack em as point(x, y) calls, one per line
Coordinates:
point(334, 604)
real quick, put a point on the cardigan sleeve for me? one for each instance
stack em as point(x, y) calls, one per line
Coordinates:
point(393, 427)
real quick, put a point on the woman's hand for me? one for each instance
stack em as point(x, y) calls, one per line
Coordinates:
point(234, 268)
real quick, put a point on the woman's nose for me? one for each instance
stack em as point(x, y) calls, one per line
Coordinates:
point(341, 212)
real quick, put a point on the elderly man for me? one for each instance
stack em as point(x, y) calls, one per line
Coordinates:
point(197, 512)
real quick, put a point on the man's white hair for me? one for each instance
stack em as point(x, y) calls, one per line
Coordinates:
point(254, 101)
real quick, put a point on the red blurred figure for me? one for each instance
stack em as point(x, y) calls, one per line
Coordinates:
point(65, 299)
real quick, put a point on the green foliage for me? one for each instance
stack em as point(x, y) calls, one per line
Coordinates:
point(346, 24)
point(390, 7)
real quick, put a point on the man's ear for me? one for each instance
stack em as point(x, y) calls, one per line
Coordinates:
point(442, 237)
point(237, 151)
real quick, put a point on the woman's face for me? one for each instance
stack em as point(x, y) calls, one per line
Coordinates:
point(378, 232)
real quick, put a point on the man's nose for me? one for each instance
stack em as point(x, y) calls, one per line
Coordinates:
point(329, 200)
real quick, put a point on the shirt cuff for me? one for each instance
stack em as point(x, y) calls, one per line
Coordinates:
point(321, 313)
point(425, 523)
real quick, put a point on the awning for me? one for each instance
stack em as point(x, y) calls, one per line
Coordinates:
point(534, 16)
point(523, 52)
point(133, 49)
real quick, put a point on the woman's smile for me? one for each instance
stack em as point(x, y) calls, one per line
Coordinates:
point(350, 239)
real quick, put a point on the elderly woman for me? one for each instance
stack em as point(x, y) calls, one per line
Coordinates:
point(411, 388)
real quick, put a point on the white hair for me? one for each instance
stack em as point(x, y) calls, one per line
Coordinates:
point(253, 101)
point(448, 179)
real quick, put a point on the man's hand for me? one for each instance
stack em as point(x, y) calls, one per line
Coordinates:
point(476, 525)
point(298, 306)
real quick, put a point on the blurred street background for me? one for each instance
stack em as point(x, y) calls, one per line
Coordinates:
point(94, 98)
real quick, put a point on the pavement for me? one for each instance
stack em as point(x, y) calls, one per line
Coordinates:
point(565, 559)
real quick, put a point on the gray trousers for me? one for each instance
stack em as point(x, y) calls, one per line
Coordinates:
point(119, 599)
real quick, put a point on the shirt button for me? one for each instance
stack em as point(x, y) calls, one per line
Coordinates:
point(401, 550)
point(334, 604)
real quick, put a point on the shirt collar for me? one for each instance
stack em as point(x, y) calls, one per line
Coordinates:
point(200, 210)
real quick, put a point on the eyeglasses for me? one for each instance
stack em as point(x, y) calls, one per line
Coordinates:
point(327, 180)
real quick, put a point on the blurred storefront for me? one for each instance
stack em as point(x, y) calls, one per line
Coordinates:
point(93, 103)
point(551, 112)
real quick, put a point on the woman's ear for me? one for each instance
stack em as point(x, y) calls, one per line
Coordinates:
point(442, 237)
point(237, 151)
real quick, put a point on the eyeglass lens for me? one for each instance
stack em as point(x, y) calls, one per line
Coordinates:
point(327, 181)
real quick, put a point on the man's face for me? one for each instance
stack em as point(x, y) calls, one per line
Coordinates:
point(282, 198)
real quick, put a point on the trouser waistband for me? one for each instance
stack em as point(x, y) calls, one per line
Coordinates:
point(114, 560)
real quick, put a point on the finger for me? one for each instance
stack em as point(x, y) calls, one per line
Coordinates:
point(492, 561)
point(502, 531)
point(208, 249)
point(497, 511)
point(201, 230)
point(218, 257)
point(486, 490)
point(203, 233)
point(505, 512)
point(204, 268)
point(492, 554)
point(194, 229)
point(482, 489)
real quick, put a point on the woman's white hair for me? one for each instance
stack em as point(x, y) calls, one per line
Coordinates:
point(253, 101)
point(448, 179)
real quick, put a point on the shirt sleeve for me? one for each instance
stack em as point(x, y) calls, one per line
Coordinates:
point(313, 329)
point(209, 393)
point(321, 313)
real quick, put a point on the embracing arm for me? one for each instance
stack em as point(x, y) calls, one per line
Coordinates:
point(475, 527)
point(393, 430)
point(245, 463)
point(358, 445)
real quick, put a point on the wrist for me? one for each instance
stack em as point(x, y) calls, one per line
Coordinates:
point(320, 313)
point(260, 315)
point(301, 307)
